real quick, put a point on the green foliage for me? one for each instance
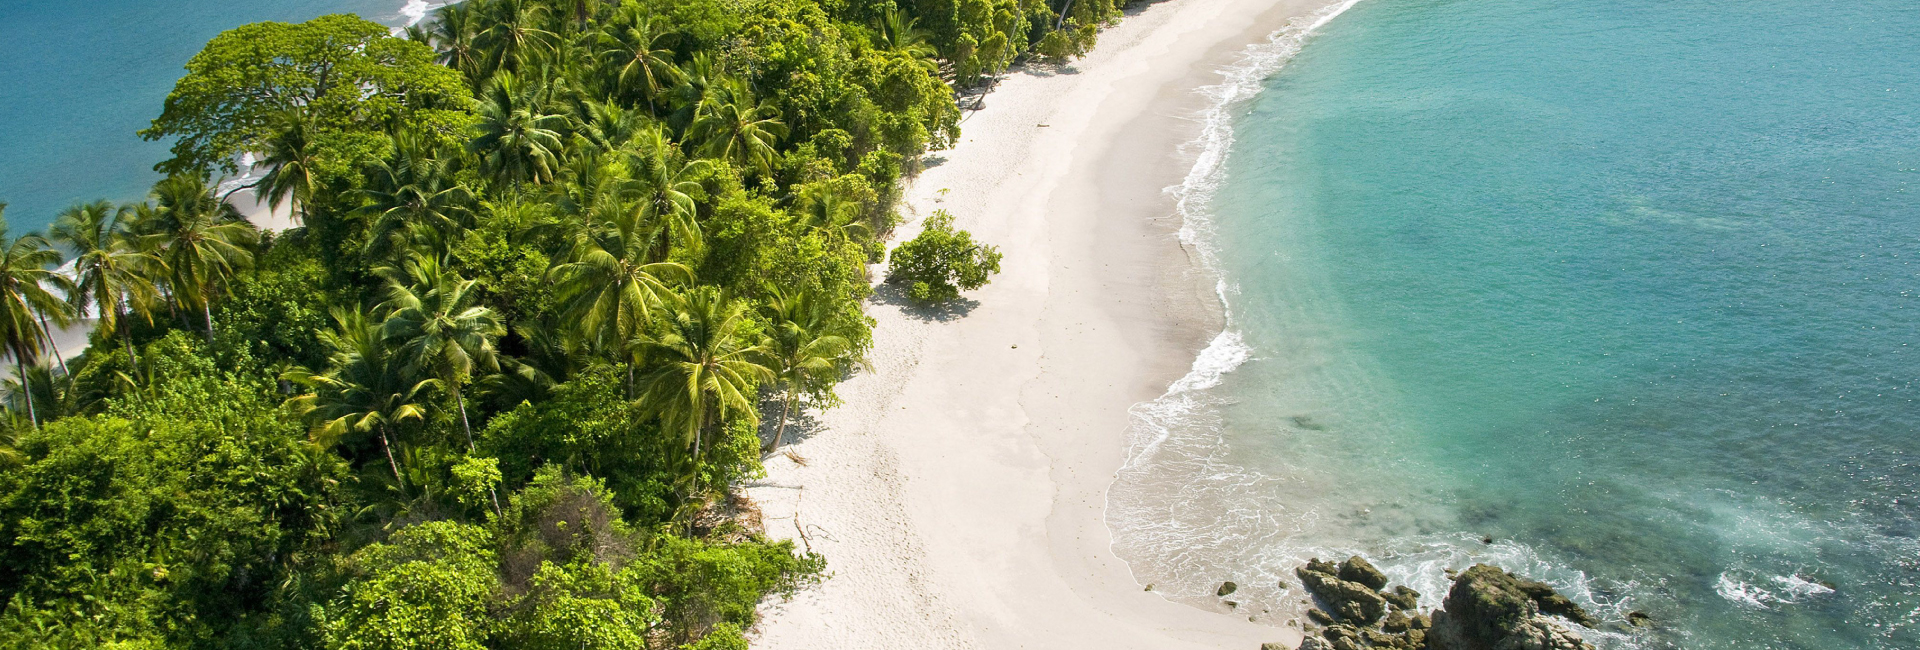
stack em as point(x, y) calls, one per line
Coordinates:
point(725, 636)
point(553, 258)
point(427, 588)
point(701, 585)
point(280, 308)
point(344, 73)
point(941, 262)
point(175, 517)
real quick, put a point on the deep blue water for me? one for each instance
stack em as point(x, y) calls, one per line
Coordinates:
point(1629, 288)
point(80, 78)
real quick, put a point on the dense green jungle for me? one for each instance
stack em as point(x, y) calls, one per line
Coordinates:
point(563, 271)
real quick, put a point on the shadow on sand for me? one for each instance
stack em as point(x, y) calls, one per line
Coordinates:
point(894, 295)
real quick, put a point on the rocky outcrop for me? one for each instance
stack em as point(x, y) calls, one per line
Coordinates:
point(1490, 609)
point(1487, 609)
point(1350, 601)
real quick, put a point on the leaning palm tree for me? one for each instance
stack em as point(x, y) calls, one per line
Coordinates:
point(805, 353)
point(642, 67)
point(290, 157)
point(730, 127)
point(706, 370)
point(437, 327)
point(202, 240)
point(111, 275)
point(518, 141)
point(27, 281)
point(363, 390)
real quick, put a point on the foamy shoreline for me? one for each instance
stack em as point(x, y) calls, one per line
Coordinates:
point(959, 494)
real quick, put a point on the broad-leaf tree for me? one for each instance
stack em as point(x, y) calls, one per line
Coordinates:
point(343, 72)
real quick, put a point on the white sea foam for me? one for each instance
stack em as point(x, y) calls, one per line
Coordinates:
point(1231, 495)
point(415, 11)
point(1240, 82)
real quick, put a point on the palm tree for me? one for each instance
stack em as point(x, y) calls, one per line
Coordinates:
point(414, 188)
point(644, 68)
point(608, 286)
point(437, 327)
point(898, 33)
point(805, 354)
point(730, 127)
point(363, 389)
point(610, 126)
point(824, 208)
point(456, 31)
point(706, 369)
point(513, 39)
point(41, 390)
point(666, 189)
point(290, 156)
point(581, 11)
point(518, 140)
point(110, 273)
point(697, 80)
point(202, 240)
point(26, 273)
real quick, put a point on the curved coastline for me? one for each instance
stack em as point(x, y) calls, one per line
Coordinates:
point(959, 495)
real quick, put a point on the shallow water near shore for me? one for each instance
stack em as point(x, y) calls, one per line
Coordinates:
point(1626, 289)
point(82, 77)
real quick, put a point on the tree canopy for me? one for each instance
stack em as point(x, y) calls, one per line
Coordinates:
point(500, 384)
point(343, 73)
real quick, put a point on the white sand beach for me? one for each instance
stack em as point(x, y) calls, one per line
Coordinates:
point(958, 495)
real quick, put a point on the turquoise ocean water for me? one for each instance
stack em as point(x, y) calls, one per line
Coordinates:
point(77, 79)
point(1627, 288)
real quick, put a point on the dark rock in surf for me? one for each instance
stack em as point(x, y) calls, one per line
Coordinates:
point(1358, 569)
point(1350, 601)
point(1402, 597)
point(1225, 588)
point(1488, 608)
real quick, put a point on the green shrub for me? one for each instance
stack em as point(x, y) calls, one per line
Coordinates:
point(940, 263)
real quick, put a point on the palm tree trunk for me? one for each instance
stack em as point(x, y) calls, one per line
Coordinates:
point(461, 402)
point(464, 426)
point(20, 370)
point(388, 448)
point(784, 410)
point(126, 338)
point(206, 309)
point(47, 333)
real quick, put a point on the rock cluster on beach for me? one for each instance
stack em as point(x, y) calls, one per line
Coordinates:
point(1487, 609)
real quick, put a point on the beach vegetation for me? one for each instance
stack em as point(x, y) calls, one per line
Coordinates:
point(497, 385)
point(940, 262)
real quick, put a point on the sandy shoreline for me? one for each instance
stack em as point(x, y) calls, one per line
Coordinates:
point(959, 494)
